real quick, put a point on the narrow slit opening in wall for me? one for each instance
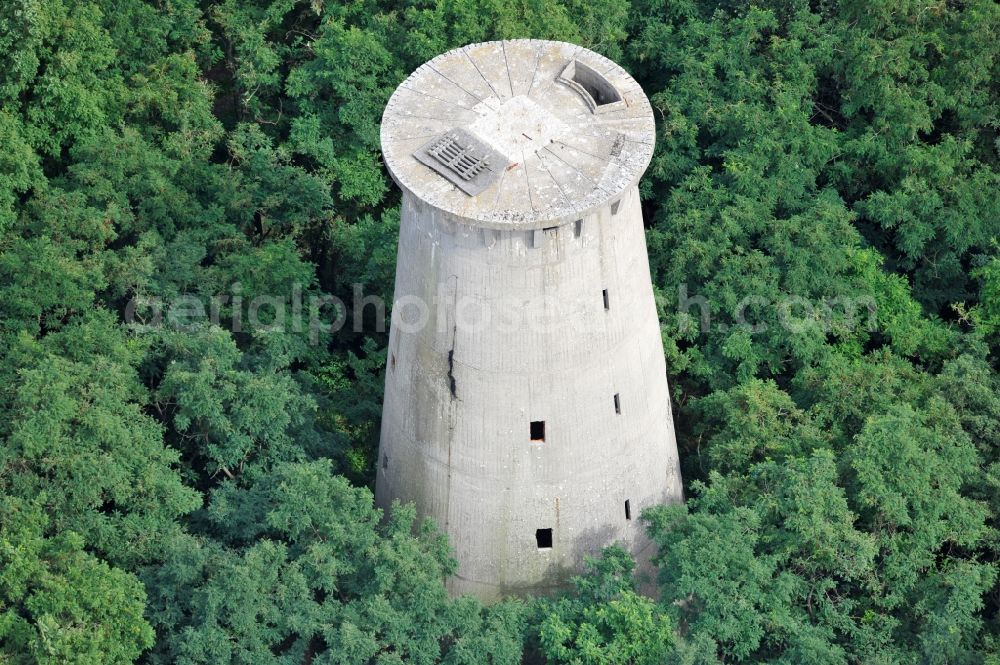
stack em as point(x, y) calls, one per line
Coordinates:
point(607, 304)
point(543, 539)
point(537, 430)
point(392, 362)
point(618, 404)
point(628, 509)
point(385, 461)
point(614, 207)
point(578, 228)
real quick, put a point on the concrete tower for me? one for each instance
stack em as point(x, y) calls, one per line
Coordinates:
point(526, 405)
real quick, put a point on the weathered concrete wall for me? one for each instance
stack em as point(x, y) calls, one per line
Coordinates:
point(462, 391)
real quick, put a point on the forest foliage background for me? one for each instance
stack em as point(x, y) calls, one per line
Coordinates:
point(198, 494)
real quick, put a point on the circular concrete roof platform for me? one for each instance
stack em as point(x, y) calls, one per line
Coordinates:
point(518, 134)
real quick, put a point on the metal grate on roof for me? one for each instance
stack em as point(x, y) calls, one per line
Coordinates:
point(461, 160)
point(467, 162)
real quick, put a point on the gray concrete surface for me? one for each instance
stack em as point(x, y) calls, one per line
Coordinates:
point(527, 301)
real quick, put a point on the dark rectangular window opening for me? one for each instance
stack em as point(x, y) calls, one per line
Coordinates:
point(607, 304)
point(578, 228)
point(628, 509)
point(392, 362)
point(614, 207)
point(385, 461)
point(537, 430)
point(543, 538)
point(618, 404)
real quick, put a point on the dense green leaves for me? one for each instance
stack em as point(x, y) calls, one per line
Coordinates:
point(60, 604)
point(78, 442)
point(299, 567)
point(606, 622)
point(186, 189)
